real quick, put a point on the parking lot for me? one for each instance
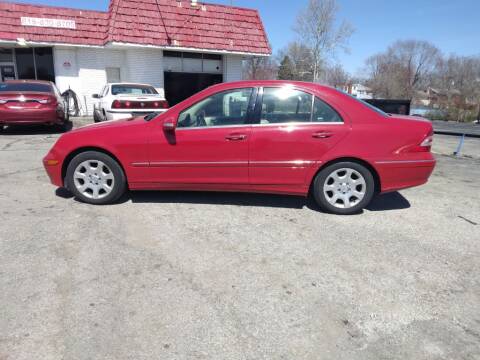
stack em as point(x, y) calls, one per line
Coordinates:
point(170, 275)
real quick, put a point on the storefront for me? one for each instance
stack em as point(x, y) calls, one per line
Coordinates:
point(180, 47)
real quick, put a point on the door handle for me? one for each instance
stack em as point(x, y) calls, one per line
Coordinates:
point(236, 137)
point(322, 134)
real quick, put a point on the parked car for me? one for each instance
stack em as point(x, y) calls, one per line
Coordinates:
point(27, 102)
point(124, 100)
point(253, 136)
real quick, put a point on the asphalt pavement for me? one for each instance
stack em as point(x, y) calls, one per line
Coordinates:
point(185, 275)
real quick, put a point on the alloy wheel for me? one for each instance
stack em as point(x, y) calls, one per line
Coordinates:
point(93, 179)
point(344, 188)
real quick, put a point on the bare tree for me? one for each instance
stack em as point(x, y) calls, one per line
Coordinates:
point(317, 28)
point(405, 67)
point(301, 60)
point(260, 68)
point(336, 76)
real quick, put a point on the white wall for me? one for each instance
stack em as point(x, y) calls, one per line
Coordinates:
point(83, 69)
point(232, 68)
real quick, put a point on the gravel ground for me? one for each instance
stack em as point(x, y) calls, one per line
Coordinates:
point(236, 276)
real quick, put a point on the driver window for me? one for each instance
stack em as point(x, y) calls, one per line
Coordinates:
point(222, 109)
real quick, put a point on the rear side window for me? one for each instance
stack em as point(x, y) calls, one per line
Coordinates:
point(282, 105)
point(322, 112)
point(286, 105)
point(25, 87)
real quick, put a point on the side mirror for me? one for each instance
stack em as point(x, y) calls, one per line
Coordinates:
point(96, 96)
point(169, 125)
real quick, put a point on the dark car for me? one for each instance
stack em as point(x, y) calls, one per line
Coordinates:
point(27, 102)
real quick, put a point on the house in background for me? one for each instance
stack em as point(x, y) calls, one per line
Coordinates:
point(179, 47)
point(358, 90)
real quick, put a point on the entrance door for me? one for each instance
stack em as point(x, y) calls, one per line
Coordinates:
point(7, 72)
point(180, 86)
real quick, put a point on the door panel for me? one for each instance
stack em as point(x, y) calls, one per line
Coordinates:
point(201, 156)
point(282, 154)
point(210, 143)
point(294, 131)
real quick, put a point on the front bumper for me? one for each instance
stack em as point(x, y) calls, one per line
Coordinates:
point(53, 166)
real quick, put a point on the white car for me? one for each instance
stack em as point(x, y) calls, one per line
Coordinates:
point(125, 100)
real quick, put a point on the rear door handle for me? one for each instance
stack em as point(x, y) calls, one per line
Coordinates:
point(236, 137)
point(322, 134)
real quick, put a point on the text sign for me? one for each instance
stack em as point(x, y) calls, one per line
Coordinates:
point(44, 22)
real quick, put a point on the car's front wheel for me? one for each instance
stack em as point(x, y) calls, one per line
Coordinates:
point(344, 188)
point(95, 178)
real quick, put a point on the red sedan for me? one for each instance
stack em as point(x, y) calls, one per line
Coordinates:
point(255, 136)
point(28, 102)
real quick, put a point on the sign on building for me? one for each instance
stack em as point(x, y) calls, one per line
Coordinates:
point(44, 22)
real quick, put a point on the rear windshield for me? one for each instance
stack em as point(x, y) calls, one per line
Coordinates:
point(370, 106)
point(133, 90)
point(25, 87)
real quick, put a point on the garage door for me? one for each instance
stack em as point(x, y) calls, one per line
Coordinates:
point(180, 85)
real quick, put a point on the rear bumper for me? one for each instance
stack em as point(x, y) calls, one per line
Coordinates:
point(30, 116)
point(117, 115)
point(402, 174)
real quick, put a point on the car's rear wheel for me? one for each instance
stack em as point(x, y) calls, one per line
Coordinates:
point(344, 188)
point(95, 178)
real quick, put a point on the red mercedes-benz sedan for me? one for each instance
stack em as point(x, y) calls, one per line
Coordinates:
point(28, 102)
point(255, 136)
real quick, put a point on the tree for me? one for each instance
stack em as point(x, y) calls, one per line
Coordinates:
point(317, 28)
point(336, 76)
point(259, 68)
point(301, 60)
point(286, 70)
point(405, 67)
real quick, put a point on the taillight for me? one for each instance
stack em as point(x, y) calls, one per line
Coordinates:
point(117, 104)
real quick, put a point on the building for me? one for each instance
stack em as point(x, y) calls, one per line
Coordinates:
point(358, 90)
point(180, 47)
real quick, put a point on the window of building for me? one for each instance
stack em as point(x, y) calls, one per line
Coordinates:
point(177, 61)
point(113, 75)
point(222, 109)
point(25, 63)
point(44, 64)
point(6, 55)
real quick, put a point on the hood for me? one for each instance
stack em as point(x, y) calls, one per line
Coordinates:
point(122, 123)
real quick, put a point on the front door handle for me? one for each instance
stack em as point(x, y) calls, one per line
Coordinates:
point(236, 137)
point(322, 134)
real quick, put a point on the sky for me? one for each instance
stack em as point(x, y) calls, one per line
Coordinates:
point(452, 26)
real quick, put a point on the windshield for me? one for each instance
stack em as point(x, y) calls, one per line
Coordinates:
point(25, 87)
point(133, 90)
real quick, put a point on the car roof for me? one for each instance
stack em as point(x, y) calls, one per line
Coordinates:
point(264, 83)
point(128, 83)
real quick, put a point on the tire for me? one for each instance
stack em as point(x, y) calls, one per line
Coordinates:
point(65, 126)
point(344, 188)
point(96, 118)
point(102, 183)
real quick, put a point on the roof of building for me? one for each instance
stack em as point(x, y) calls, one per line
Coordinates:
point(162, 23)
